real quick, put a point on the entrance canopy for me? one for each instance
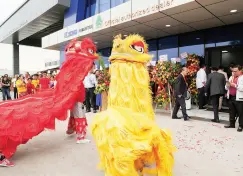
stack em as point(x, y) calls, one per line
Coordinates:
point(150, 18)
point(33, 20)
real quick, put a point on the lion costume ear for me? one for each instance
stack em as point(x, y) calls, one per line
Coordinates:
point(70, 44)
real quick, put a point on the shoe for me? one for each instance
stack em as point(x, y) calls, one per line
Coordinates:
point(70, 132)
point(6, 163)
point(240, 129)
point(87, 111)
point(94, 111)
point(176, 118)
point(216, 121)
point(229, 126)
point(82, 141)
point(187, 119)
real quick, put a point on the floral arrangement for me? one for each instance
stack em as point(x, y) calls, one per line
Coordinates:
point(162, 98)
point(164, 73)
point(103, 78)
point(192, 65)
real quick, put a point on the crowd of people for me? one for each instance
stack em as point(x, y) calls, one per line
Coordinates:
point(214, 88)
point(27, 84)
point(22, 85)
point(217, 87)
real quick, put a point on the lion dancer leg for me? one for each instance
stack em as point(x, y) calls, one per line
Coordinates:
point(71, 125)
point(4, 162)
point(78, 114)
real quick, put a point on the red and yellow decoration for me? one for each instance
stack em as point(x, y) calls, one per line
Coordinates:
point(193, 62)
point(164, 74)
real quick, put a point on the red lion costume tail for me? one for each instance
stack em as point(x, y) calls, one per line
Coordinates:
point(22, 119)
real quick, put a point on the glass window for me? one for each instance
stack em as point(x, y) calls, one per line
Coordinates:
point(87, 9)
point(210, 45)
point(189, 39)
point(94, 7)
point(115, 3)
point(104, 5)
point(153, 49)
point(197, 49)
point(105, 53)
point(223, 36)
point(191, 43)
point(168, 46)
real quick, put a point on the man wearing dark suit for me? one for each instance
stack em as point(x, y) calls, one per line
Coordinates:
point(180, 93)
point(216, 85)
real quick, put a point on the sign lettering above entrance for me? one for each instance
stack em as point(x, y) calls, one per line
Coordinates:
point(77, 31)
point(120, 14)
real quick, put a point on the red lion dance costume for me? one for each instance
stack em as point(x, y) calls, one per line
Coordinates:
point(25, 118)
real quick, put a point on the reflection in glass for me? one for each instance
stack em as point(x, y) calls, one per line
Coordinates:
point(94, 7)
point(171, 53)
point(197, 49)
point(104, 5)
point(153, 49)
point(105, 53)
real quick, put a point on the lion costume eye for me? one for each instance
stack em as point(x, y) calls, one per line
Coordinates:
point(91, 51)
point(138, 46)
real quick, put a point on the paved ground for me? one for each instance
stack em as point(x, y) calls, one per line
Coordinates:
point(204, 149)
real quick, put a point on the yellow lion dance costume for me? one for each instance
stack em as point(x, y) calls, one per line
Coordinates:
point(128, 140)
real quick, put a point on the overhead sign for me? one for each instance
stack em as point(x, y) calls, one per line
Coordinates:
point(102, 21)
point(163, 58)
point(142, 8)
point(184, 55)
point(120, 14)
point(175, 60)
point(79, 29)
point(167, 4)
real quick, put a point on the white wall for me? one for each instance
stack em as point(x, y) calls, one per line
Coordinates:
point(32, 59)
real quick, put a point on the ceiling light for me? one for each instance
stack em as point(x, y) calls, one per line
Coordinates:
point(198, 38)
point(233, 11)
point(95, 42)
point(224, 51)
point(168, 25)
point(125, 35)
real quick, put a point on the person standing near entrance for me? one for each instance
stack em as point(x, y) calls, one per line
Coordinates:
point(180, 93)
point(235, 95)
point(216, 85)
point(221, 70)
point(90, 83)
point(201, 83)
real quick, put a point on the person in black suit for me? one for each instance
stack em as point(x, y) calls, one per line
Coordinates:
point(216, 85)
point(180, 94)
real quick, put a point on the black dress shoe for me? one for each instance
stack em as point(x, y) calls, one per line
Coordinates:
point(216, 121)
point(240, 129)
point(87, 111)
point(176, 118)
point(229, 126)
point(187, 119)
point(94, 111)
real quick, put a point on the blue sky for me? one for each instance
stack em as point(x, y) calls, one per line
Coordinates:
point(31, 58)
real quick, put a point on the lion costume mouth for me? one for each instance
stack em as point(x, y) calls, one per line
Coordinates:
point(124, 60)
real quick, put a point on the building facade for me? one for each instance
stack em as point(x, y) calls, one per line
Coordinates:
point(209, 28)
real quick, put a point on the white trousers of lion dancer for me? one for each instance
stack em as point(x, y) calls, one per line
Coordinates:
point(78, 123)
